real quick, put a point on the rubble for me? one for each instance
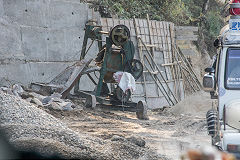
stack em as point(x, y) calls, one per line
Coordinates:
point(17, 89)
point(117, 138)
point(36, 101)
point(29, 128)
point(137, 140)
point(53, 101)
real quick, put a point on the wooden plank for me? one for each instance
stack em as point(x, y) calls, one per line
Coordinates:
point(188, 28)
point(115, 22)
point(147, 39)
point(145, 23)
point(150, 30)
point(102, 21)
point(74, 77)
point(158, 38)
point(136, 26)
point(166, 52)
point(174, 68)
point(162, 34)
point(169, 51)
point(132, 30)
point(127, 23)
point(108, 28)
point(185, 33)
point(110, 23)
point(146, 32)
point(149, 45)
point(131, 24)
point(188, 38)
point(121, 21)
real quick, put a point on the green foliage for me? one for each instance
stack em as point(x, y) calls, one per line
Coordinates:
point(180, 12)
point(130, 8)
point(176, 11)
point(213, 23)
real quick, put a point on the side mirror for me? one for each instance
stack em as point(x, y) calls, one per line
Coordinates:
point(216, 43)
point(210, 70)
point(208, 82)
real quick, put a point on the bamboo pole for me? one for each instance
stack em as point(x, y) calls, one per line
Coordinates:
point(191, 70)
point(186, 78)
point(158, 69)
point(141, 58)
point(167, 99)
point(176, 85)
point(156, 77)
point(152, 49)
point(191, 73)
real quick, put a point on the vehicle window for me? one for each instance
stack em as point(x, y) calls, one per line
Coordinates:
point(232, 72)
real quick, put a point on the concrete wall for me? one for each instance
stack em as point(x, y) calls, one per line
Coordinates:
point(39, 38)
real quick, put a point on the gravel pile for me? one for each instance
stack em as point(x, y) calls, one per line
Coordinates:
point(29, 128)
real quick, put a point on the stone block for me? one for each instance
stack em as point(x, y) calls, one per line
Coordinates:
point(34, 41)
point(151, 90)
point(30, 72)
point(56, 45)
point(45, 71)
point(73, 46)
point(1, 8)
point(10, 39)
point(27, 12)
point(35, 13)
point(139, 89)
point(66, 14)
point(14, 10)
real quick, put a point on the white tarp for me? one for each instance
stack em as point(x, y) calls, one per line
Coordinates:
point(125, 81)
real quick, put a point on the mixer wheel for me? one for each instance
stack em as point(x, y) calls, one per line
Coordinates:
point(119, 35)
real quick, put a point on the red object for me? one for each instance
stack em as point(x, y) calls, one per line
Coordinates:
point(232, 148)
point(235, 11)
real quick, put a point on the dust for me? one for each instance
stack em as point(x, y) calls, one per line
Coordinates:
point(197, 104)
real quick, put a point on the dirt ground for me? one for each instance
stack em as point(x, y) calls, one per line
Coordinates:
point(169, 132)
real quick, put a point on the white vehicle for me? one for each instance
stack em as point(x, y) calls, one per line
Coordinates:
point(223, 83)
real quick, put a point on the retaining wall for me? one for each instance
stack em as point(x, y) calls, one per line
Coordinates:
point(39, 38)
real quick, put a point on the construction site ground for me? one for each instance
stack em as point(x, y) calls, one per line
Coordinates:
point(169, 132)
point(83, 133)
